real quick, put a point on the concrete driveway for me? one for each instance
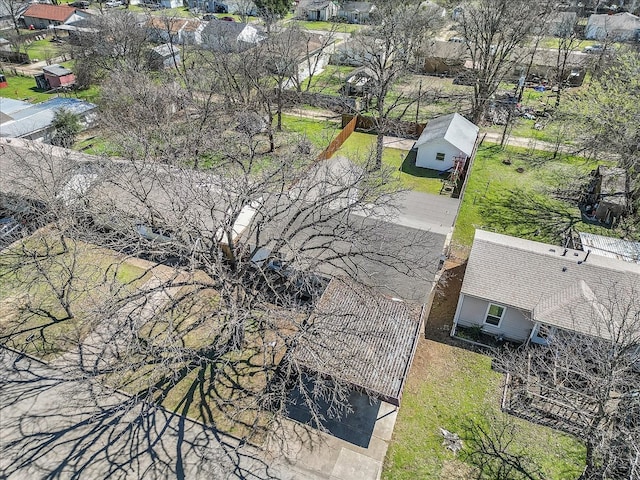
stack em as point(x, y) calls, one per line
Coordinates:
point(55, 426)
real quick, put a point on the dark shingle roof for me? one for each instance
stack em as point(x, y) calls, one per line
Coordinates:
point(361, 338)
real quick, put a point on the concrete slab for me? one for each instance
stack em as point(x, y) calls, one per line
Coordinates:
point(353, 465)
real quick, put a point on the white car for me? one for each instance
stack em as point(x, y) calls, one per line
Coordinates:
point(113, 3)
point(596, 48)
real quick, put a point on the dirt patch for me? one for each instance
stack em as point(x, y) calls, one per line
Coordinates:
point(438, 325)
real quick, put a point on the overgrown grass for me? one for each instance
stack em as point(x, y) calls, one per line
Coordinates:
point(330, 81)
point(515, 199)
point(450, 388)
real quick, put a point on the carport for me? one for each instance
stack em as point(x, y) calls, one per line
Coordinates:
point(363, 339)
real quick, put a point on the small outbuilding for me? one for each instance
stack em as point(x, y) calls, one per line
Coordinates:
point(444, 141)
point(164, 56)
point(55, 76)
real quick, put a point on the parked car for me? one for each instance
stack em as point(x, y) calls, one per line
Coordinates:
point(113, 3)
point(595, 48)
point(154, 233)
point(80, 4)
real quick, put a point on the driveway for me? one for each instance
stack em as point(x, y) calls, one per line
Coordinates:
point(55, 426)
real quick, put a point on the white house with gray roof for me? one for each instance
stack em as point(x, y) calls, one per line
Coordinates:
point(443, 140)
point(522, 290)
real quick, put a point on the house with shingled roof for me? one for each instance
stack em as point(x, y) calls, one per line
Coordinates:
point(525, 291)
point(42, 15)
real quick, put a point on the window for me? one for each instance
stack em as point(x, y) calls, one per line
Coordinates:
point(440, 157)
point(494, 315)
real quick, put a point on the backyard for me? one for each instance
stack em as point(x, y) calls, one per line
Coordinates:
point(359, 145)
point(517, 191)
point(456, 389)
point(23, 87)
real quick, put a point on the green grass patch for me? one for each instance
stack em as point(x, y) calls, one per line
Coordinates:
point(359, 146)
point(35, 288)
point(319, 132)
point(515, 198)
point(23, 87)
point(450, 390)
point(43, 49)
point(330, 81)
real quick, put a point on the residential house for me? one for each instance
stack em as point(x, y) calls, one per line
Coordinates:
point(175, 30)
point(164, 56)
point(238, 7)
point(562, 24)
point(55, 76)
point(445, 141)
point(443, 58)
point(352, 53)
point(316, 10)
point(33, 121)
point(619, 27)
point(359, 81)
point(546, 64)
point(521, 290)
point(221, 36)
point(309, 57)
point(161, 3)
point(42, 15)
point(356, 12)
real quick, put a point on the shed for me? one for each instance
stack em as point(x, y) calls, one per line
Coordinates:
point(611, 247)
point(444, 140)
point(56, 76)
point(164, 56)
point(608, 195)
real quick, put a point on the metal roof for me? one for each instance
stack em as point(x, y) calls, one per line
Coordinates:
point(611, 247)
point(548, 280)
point(57, 70)
point(361, 338)
point(34, 117)
point(453, 128)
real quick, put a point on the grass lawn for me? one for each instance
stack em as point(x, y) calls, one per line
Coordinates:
point(330, 81)
point(359, 145)
point(43, 50)
point(319, 132)
point(450, 388)
point(23, 87)
point(501, 198)
point(32, 316)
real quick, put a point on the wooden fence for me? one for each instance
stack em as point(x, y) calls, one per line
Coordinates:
point(337, 142)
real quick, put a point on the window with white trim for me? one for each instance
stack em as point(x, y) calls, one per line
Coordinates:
point(440, 157)
point(495, 313)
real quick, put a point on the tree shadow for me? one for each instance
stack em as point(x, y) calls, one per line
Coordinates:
point(59, 426)
point(409, 167)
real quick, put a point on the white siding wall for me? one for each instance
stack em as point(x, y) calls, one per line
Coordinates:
point(426, 156)
point(515, 324)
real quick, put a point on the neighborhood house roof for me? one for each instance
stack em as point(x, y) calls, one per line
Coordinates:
point(619, 21)
point(611, 247)
point(56, 13)
point(57, 70)
point(453, 128)
point(561, 287)
point(22, 118)
point(361, 338)
point(357, 7)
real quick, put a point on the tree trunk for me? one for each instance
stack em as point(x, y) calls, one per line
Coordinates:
point(379, 150)
point(279, 112)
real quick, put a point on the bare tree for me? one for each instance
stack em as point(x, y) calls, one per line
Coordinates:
point(585, 381)
point(493, 31)
point(388, 49)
